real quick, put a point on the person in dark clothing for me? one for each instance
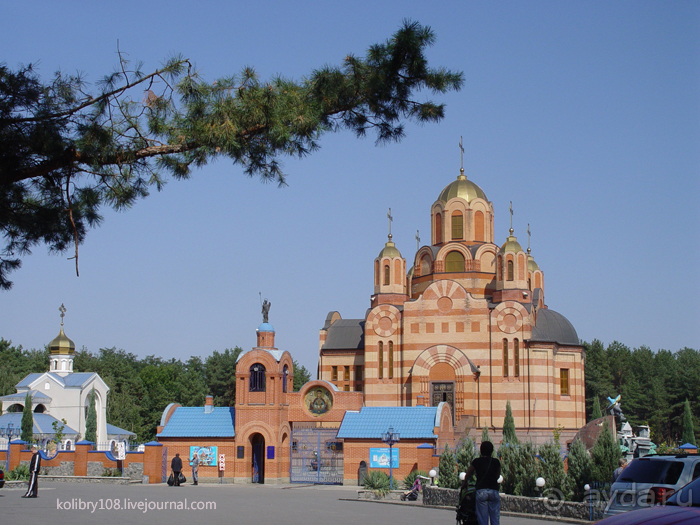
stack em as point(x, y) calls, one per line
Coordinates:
point(34, 466)
point(488, 471)
point(176, 466)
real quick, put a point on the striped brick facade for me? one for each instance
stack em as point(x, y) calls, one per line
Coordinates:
point(463, 319)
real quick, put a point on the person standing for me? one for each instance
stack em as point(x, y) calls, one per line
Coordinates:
point(195, 469)
point(34, 466)
point(622, 463)
point(488, 470)
point(176, 466)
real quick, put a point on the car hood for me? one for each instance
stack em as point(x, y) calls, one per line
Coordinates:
point(668, 515)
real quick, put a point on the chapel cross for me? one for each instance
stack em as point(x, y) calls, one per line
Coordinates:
point(528, 237)
point(417, 240)
point(388, 216)
point(461, 155)
point(62, 309)
point(511, 215)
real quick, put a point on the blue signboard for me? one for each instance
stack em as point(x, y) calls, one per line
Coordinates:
point(379, 457)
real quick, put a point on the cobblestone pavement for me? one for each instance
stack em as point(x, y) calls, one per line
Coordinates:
point(77, 504)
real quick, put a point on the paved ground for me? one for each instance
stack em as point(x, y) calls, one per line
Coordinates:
point(60, 503)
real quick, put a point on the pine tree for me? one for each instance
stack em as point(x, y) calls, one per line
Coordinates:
point(447, 476)
point(485, 436)
point(688, 427)
point(27, 420)
point(597, 412)
point(509, 426)
point(552, 470)
point(580, 466)
point(91, 420)
point(605, 455)
point(67, 152)
point(466, 452)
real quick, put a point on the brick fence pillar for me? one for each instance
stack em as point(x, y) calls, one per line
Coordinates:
point(16, 447)
point(81, 457)
point(153, 462)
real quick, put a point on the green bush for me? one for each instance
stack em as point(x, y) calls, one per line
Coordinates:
point(378, 481)
point(111, 473)
point(447, 473)
point(409, 480)
point(466, 452)
point(519, 469)
point(19, 473)
point(557, 485)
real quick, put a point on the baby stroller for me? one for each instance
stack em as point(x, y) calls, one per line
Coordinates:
point(466, 506)
point(412, 495)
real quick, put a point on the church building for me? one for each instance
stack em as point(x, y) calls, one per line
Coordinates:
point(466, 325)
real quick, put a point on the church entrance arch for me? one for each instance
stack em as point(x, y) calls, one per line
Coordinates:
point(257, 441)
point(316, 455)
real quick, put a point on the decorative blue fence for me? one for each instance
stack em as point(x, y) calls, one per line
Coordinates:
point(316, 456)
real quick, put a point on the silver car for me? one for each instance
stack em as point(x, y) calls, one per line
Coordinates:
point(650, 480)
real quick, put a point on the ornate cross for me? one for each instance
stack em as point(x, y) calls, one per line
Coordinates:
point(528, 237)
point(511, 215)
point(461, 155)
point(62, 309)
point(388, 216)
point(417, 240)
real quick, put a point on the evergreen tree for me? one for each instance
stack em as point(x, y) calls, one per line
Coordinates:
point(688, 427)
point(301, 376)
point(579, 471)
point(466, 452)
point(27, 420)
point(605, 455)
point(68, 152)
point(519, 468)
point(447, 475)
point(509, 426)
point(597, 411)
point(91, 420)
point(552, 470)
point(485, 436)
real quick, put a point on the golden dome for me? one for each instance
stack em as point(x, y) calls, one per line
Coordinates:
point(532, 266)
point(62, 344)
point(390, 250)
point(511, 245)
point(462, 188)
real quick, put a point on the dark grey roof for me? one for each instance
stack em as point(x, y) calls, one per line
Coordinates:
point(345, 334)
point(554, 328)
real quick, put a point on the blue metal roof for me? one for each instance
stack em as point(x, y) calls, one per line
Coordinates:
point(27, 381)
point(19, 397)
point(115, 430)
point(77, 378)
point(371, 422)
point(43, 423)
point(194, 422)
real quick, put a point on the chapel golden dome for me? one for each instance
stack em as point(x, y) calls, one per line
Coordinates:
point(532, 266)
point(511, 245)
point(390, 250)
point(62, 344)
point(462, 188)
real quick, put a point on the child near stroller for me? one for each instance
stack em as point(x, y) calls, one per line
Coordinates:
point(412, 495)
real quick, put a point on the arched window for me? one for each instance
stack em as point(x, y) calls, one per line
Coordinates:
point(516, 358)
point(505, 357)
point(454, 262)
point(499, 267)
point(457, 226)
point(387, 275)
point(391, 359)
point(510, 270)
point(529, 283)
point(381, 359)
point(376, 273)
point(425, 266)
point(257, 378)
point(285, 373)
point(438, 228)
point(479, 226)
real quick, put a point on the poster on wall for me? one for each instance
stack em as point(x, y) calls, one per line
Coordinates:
point(379, 457)
point(207, 455)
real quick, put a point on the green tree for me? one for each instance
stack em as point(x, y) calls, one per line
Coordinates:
point(552, 470)
point(485, 436)
point(519, 468)
point(220, 375)
point(27, 420)
point(597, 411)
point(579, 471)
point(447, 473)
point(91, 420)
point(509, 426)
point(688, 427)
point(605, 455)
point(67, 152)
point(301, 376)
point(466, 452)
point(58, 427)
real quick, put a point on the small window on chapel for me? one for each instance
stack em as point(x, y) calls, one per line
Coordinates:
point(381, 360)
point(516, 358)
point(391, 359)
point(505, 358)
point(387, 275)
point(347, 373)
point(454, 262)
point(358, 373)
point(334, 373)
point(510, 270)
point(457, 226)
point(564, 381)
point(257, 378)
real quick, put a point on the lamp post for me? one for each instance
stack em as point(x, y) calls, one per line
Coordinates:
point(432, 475)
point(540, 483)
point(390, 437)
point(9, 432)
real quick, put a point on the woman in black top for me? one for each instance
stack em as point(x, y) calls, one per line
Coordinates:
point(488, 470)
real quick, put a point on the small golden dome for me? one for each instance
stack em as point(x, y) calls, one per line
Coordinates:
point(462, 188)
point(390, 250)
point(531, 264)
point(62, 344)
point(511, 245)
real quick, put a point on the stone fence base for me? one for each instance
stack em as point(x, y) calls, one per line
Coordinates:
point(441, 497)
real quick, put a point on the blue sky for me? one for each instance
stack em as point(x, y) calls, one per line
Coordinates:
point(586, 115)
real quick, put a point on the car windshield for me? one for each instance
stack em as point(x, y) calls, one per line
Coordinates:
point(687, 496)
point(652, 471)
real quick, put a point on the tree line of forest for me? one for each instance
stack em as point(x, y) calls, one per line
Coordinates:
point(140, 388)
point(654, 385)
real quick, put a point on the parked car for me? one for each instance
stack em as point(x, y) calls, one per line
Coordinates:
point(682, 508)
point(650, 480)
